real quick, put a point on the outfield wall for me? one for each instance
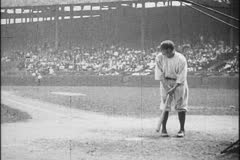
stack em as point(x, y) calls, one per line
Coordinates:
point(230, 82)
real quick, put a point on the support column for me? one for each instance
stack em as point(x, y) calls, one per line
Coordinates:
point(231, 38)
point(25, 19)
point(14, 13)
point(180, 24)
point(91, 26)
point(37, 34)
point(71, 12)
point(143, 26)
point(102, 22)
point(56, 27)
point(8, 19)
point(38, 16)
point(21, 15)
point(116, 24)
point(62, 12)
point(169, 29)
point(31, 19)
point(72, 27)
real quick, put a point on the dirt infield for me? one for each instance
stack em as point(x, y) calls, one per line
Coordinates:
point(59, 132)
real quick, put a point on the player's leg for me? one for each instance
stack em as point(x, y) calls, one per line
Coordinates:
point(181, 117)
point(164, 123)
point(181, 98)
point(163, 93)
point(165, 117)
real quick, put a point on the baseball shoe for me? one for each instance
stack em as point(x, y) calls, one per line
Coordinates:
point(164, 133)
point(181, 133)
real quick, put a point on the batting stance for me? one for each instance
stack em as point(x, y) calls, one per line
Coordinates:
point(171, 70)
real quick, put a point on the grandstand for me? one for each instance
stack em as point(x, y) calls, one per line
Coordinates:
point(114, 37)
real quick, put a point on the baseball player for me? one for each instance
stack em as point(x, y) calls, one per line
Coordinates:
point(171, 70)
point(39, 77)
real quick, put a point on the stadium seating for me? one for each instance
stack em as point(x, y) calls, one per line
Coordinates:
point(203, 58)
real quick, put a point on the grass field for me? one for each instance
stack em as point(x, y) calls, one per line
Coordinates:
point(9, 115)
point(133, 101)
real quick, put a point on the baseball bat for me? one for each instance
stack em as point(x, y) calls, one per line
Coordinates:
point(162, 114)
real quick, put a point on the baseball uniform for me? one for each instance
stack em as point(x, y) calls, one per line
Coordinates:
point(174, 70)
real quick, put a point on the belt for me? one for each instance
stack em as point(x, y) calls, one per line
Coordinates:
point(168, 78)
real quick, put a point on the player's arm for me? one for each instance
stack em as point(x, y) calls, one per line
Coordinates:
point(181, 76)
point(171, 90)
point(159, 75)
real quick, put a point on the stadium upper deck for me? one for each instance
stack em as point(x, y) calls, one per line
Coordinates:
point(20, 11)
point(23, 3)
point(29, 11)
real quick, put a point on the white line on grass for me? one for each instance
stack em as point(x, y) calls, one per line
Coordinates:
point(69, 93)
point(11, 145)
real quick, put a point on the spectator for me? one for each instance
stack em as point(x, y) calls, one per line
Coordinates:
point(118, 59)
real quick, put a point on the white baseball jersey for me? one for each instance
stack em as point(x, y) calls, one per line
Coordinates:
point(173, 68)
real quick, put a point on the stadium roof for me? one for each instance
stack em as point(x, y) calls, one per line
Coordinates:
point(21, 3)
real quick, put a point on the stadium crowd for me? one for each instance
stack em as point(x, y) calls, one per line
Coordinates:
point(203, 56)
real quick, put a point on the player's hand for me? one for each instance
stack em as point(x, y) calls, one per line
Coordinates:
point(171, 91)
point(165, 86)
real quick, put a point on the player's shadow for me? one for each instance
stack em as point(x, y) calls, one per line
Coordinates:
point(155, 136)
